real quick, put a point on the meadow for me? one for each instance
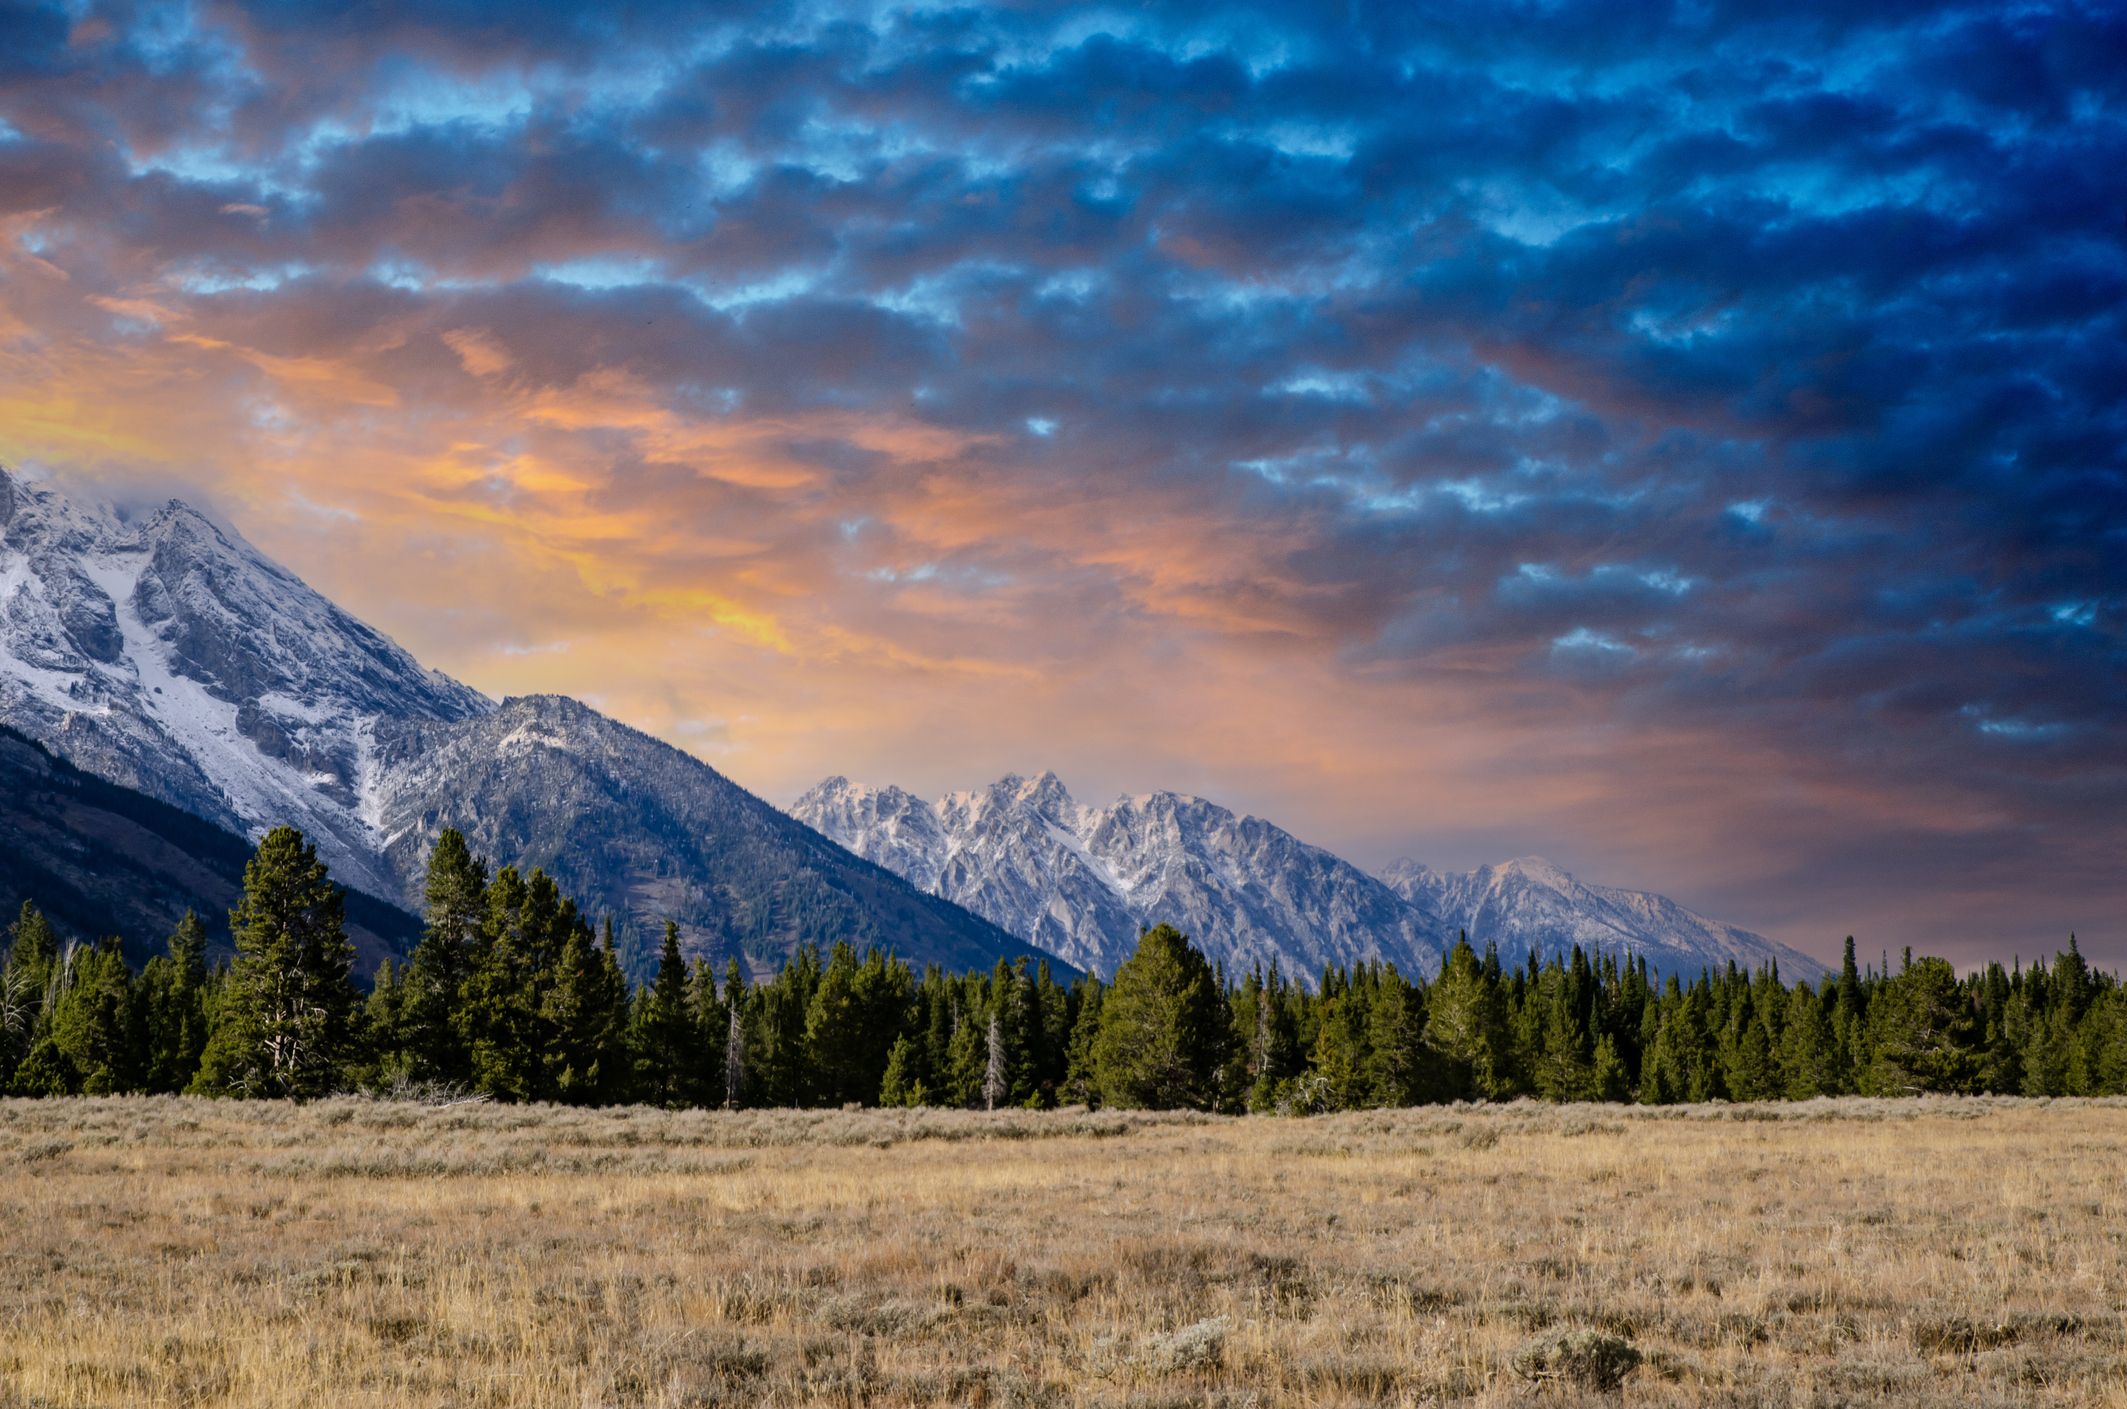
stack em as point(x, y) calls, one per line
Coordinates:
point(352, 1252)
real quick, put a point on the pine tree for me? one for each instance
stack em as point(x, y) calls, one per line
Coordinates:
point(664, 1031)
point(1162, 1028)
point(1396, 1055)
point(32, 959)
point(707, 1018)
point(1466, 1026)
point(841, 1070)
point(498, 1018)
point(902, 1085)
point(1609, 1078)
point(1922, 1030)
point(456, 907)
point(1081, 1085)
point(381, 1032)
point(173, 991)
point(585, 1008)
point(283, 1024)
point(93, 1022)
point(1564, 1065)
point(1809, 1054)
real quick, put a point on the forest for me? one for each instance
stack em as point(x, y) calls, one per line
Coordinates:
point(513, 994)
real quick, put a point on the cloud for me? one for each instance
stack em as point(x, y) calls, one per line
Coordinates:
point(1686, 442)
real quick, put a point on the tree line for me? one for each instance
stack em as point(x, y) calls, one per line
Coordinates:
point(513, 994)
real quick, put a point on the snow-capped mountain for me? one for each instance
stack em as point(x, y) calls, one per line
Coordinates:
point(1081, 881)
point(1531, 904)
point(166, 654)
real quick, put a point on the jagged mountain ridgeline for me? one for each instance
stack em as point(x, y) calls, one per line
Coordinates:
point(163, 653)
point(1081, 881)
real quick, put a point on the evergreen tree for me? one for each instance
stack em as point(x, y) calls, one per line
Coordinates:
point(735, 1068)
point(1809, 1054)
point(665, 1030)
point(31, 966)
point(284, 1020)
point(842, 1070)
point(902, 1085)
point(382, 1032)
point(456, 908)
point(494, 1020)
point(1081, 1083)
point(173, 997)
point(1609, 1078)
point(1466, 1026)
point(1162, 1029)
point(996, 1086)
point(1922, 1032)
point(585, 1009)
point(92, 1021)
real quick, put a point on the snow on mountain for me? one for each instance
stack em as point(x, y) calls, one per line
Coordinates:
point(168, 655)
point(1531, 904)
point(1082, 881)
point(165, 654)
point(631, 826)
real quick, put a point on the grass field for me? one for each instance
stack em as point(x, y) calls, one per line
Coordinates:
point(349, 1253)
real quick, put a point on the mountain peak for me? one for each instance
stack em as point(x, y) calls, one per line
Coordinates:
point(1537, 870)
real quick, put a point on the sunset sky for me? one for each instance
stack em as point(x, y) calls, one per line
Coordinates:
point(1689, 442)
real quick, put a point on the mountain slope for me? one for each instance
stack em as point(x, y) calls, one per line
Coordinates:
point(100, 859)
point(1082, 881)
point(1531, 904)
point(632, 826)
point(171, 656)
point(167, 654)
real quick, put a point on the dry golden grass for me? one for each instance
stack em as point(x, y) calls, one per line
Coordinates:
point(168, 1252)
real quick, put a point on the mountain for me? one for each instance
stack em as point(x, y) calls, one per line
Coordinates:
point(164, 653)
point(100, 859)
point(1082, 881)
point(632, 826)
point(170, 656)
point(1531, 904)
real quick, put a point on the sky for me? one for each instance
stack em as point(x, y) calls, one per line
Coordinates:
point(1683, 440)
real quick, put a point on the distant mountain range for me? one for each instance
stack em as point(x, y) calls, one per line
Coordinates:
point(164, 654)
point(167, 655)
point(1082, 881)
point(1530, 905)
